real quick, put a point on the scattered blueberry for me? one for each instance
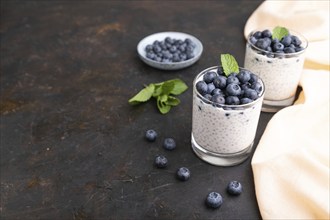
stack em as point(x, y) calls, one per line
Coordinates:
point(234, 188)
point(214, 200)
point(183, 173)
point(169, 144)
point(151, 135)
point(161, 161)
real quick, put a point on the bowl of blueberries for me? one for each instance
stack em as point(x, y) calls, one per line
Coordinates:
point(170, 50)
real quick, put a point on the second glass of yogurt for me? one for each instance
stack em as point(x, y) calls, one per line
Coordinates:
point(223, 134)
point(280, 70)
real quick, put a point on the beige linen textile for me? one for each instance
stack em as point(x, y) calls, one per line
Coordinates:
point(291, 162)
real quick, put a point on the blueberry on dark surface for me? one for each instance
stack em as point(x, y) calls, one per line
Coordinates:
point(220, 82)
point(151, 135)
point(232, 100)
point(209, 76)
point(234, 188)
point(219, 99)
point(169, 144)
point(214, 200)
point(233, 89)
point(161, 161)
point(201, 87)
point(244, 76)
point(183, 173)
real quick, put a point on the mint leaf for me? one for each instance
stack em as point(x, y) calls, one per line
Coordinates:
point(229, 64)
point(161, 104)
point(172, 101)
point(280, 32)
point(179, 87)
point(143, 96)
point(167, 87)
point(163, 92)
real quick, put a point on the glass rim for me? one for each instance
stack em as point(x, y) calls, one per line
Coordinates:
point(291, 32)
point(226, 106)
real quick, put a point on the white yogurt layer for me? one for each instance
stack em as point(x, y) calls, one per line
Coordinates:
point(224, 131)
point(280, 75)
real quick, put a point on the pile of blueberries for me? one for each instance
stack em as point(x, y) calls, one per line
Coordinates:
point(170, 50)
point(288, 44)
point(236, 89)
point(213, 199)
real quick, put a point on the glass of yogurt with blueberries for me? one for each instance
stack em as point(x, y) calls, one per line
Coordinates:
point(277, 57)
point(226, 108)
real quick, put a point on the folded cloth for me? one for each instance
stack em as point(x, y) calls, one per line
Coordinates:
point(291, 162)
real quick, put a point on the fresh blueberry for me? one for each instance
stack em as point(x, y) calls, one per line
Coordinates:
point(151, 135)
point(245, 101)
point(149, 48)
point(257, 87)
point(214, 200)
point(257, 34)
point(251, 94)
point(210, 88)
point(217, 91)
point(286, 40)
point(253, 40)
point(169, 144)
point(232, 79)
point(209, 76)
point(289, 50)
point(232, 100)
point(220, 82)
point(299, 48)
point(207, 96)
point(266, 33)
point(244, 76)
point(234, 188)
point(157, 49)
point(161, 161)
point(220, 71)
point(295, 40)
point(201, 87)
point(233, 89)
point(254, 78)
point(278, 46)
point(263, 43)
point(151, 55)
point(183, 173)
point(218, 99)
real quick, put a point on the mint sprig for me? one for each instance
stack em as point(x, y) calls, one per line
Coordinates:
point(229, 64)
point(163, 92)
point(279, 32)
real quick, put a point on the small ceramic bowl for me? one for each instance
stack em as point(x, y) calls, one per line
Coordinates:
point(169, 65)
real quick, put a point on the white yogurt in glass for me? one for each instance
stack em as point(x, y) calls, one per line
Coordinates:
point(223, 134)
point(281, 74)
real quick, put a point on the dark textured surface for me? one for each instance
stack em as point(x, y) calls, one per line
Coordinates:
point(72, 147)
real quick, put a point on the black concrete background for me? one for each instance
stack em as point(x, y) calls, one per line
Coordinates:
point(72, 147)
